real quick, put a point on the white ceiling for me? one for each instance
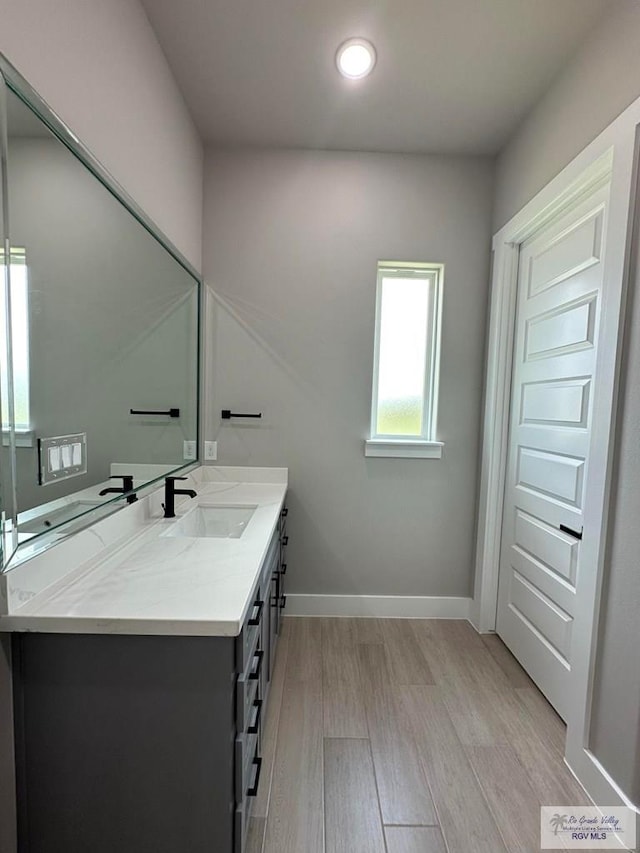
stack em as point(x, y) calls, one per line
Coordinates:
point(452, 75)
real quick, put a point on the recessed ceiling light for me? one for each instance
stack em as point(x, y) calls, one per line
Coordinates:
point(355, 58)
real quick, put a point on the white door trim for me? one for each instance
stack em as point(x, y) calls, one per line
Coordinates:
point(612, 156)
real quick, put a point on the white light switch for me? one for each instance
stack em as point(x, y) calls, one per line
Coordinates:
point(210, 451)
point(54, 458)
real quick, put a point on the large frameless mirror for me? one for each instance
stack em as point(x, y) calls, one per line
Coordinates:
point(98, 336)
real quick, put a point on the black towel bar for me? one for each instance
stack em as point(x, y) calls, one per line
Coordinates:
point(227, 413)
point(172, 413)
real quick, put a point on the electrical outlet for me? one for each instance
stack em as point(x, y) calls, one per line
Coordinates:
point(189, 450)
point(210, 451)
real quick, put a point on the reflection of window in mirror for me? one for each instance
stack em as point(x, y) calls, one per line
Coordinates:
point(19, 343)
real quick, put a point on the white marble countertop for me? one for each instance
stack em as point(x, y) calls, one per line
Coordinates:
point(150, 583)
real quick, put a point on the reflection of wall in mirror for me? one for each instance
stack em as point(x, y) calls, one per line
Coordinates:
point(113, 320)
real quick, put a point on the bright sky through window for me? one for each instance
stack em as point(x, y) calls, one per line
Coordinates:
point(403, 342)
point(407, 351)
point(20, 344)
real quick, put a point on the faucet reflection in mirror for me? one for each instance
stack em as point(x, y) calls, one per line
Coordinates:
point(99, 312)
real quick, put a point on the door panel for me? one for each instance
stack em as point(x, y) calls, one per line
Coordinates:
point(556, 403)
point(553, 548)
point(544, 577)
point(567, 254)
point(557, 322)
point(550, 621)
point(568, 328)
point(559, 477)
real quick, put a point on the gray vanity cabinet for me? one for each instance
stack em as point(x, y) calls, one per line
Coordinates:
point(143, 744)
point(282, 570)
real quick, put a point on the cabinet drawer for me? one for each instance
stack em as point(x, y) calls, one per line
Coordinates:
point(248, 766)
point(271, 560)
point(282, 524)
point(274, 623)
point(246, 654)
point(269, 568)
point(282, 596)
point(256, 665)
point(246, 642)
point(246, 696)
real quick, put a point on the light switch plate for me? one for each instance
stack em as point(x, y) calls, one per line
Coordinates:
point(189, 450)
point(210, 451)
point(61, 457)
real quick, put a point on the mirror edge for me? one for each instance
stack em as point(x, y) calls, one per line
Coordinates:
point(23, 90)
point(12, 80)
point(8, 479)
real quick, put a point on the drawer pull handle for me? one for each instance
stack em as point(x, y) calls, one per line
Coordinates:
point(255, 674)
point(285, 540)
point(253, 791)
point(255, 619)
point(283, 602)
point(253, 728)
point(285, 512)
point(283, 568)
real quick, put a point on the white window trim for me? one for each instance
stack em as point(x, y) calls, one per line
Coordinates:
point(24, 437)
point(403, 448)
point(425, 445)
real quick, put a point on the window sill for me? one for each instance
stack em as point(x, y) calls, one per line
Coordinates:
point(403, 448)
point(24, 438)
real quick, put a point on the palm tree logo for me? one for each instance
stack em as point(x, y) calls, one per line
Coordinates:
point(557, 822)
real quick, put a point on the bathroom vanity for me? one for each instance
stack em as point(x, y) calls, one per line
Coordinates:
point(142, 644)
point(141, 678)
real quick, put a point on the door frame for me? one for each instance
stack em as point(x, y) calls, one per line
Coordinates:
point(611, 158)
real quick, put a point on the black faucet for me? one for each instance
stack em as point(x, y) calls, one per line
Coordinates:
point(170, 493)
point(127, 486)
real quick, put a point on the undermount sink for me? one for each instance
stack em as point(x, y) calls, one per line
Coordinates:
point(81, 512)
point(213, 522)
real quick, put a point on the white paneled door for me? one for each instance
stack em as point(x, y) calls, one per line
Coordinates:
point(557, 323)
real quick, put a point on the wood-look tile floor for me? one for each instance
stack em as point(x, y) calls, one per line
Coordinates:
point(404, 736)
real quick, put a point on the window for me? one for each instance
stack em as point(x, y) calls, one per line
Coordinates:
point(406, 360)
point(19, 344)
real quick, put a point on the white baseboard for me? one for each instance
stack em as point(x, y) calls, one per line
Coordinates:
point(394, 606)
point(599, 785)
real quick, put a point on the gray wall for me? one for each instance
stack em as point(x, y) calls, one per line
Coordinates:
point(98, 64)
point(291, 241)
point(602, 79)
point(615, 725)
point(597, 84)
point(111, 322)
